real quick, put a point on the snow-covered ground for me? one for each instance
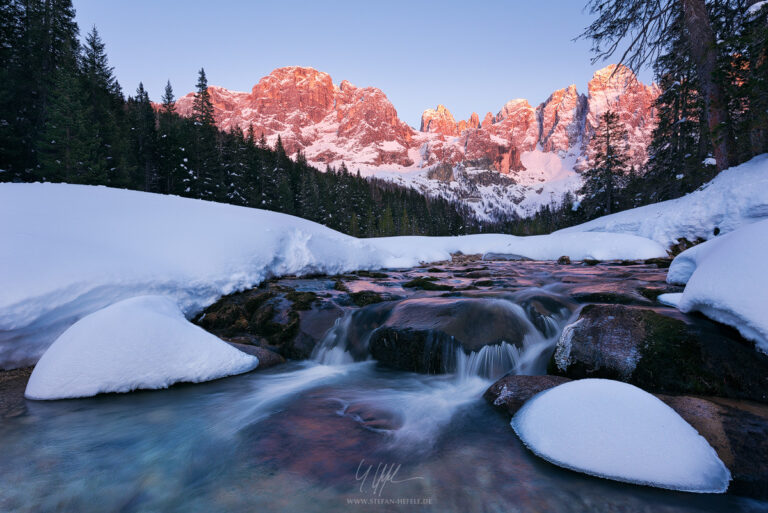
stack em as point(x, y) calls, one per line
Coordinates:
point(736, 197)
point(615, 430)
point(726, 280)
point(142, 342)
point(69, 250)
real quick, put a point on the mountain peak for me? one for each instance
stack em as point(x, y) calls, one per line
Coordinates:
point(360, 126)
point(439, 121)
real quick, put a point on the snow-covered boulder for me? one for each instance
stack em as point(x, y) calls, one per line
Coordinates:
point(617, 431)
point(736, 197)
point(143, 342)
point(726, 280)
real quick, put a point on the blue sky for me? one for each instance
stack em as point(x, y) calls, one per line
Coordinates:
point(470, 56)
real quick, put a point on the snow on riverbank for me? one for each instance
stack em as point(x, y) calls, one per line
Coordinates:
point(726, 280)
point(69, 250)
point(615, 430)
point(142, 342)
point(736, 197)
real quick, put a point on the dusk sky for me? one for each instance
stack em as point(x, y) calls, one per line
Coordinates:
point(419, 53)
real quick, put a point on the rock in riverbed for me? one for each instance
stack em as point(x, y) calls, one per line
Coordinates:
point(422, 335)
point(660, 353)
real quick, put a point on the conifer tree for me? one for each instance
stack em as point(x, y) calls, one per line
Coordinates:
point(608, 167)
point(63, 145)
point(386, 223)
point(172, 169)
point(103, 100)
point(203, 168)
point(143, 137)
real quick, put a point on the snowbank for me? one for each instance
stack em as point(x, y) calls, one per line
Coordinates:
point(726, 280)
point(408, 251)
point(143, 342)
point(615, 430)
point(736, 197)
point(69, 250)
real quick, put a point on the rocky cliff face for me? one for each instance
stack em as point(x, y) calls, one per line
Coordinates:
point(332, 123)
point(329, 123)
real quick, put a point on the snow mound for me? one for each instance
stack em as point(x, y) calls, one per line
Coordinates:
point(736, 197)
point(615, 430)
point(670, 299)
point(143, 342)
point(73, 249)
point(726, 281)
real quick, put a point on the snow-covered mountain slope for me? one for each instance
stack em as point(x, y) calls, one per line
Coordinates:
point(71, 250)
point(736, 197)
point(529, 146)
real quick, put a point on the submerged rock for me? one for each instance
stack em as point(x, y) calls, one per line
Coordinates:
point(505, 256)
point(266, 357)
point(660, 353)
point(512, 391)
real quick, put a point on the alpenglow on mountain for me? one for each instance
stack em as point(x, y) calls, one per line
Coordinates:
point(512, 162)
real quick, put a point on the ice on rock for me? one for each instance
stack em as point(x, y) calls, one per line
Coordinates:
point(142, 342)
point(617, 431)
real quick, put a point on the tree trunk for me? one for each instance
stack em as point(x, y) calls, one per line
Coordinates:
point(704, 53)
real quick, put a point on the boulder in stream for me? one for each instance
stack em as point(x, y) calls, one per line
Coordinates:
point(661, 351)
point(423, 334)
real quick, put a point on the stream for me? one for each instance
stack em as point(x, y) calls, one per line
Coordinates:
point(339, 431)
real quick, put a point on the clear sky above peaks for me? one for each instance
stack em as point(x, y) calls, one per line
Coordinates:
point(469, 56)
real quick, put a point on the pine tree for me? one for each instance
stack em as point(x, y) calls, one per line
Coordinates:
point(143, 141)
point(204, 169)
point(39, 37)
point(386, 223)
point(309, 198)
point(647, 26)
point(680, 140)
point(608, 168)
point(63, 146)
point(103, 100)
point(172, 170)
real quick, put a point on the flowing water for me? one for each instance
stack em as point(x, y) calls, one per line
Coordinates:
point(339, 432)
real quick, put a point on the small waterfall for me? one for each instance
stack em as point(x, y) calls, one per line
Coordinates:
point(494, 361)
point(490, 362)
point(348, 340)
point(332, 349)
